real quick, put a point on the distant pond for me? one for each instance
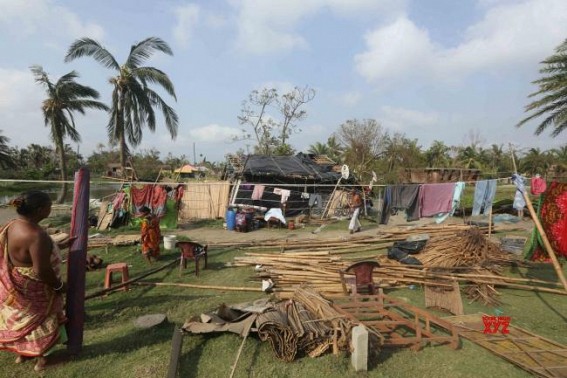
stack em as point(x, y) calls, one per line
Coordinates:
point(8, 191)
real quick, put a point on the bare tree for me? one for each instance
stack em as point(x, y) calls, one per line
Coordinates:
point(290, 107)
point(254, 115)
point(270, 133)
point(363, 142)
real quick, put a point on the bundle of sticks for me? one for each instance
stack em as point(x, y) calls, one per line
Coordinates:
point(468, 248)
point(458, 252)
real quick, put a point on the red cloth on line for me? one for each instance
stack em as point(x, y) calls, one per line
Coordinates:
point(152, 196)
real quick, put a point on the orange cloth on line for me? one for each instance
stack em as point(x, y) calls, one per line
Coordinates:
point(31, 312)
point(151, 236)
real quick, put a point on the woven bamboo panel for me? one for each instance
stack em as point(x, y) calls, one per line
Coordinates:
point(204, 200)
point(533, 353)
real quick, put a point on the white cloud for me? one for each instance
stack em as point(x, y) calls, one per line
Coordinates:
point(45, 17)
point(351, 98)
point(269, 26)
point(213, 133)
point(20, 103)
point(407, 120)
point(187, 19)
point(519, 34)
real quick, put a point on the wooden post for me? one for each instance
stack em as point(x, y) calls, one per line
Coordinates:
point(546, 243)
point(76, 262)
point(176, 345)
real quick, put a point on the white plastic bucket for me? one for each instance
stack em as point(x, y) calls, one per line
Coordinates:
point(169, 241)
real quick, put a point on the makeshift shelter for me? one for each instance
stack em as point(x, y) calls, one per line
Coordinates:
point(304, 183)
point(123, 207)
point(186, 171)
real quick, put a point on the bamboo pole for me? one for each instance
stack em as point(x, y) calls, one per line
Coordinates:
point(193, 286)
point(133, 280)
point(546, 243)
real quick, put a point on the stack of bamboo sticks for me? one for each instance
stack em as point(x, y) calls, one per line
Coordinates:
point(460, 253)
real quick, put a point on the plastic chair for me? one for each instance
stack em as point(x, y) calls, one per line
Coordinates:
point(191, 251)
point(362, 282)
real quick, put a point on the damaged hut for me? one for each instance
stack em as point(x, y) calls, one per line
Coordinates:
point(303, 183)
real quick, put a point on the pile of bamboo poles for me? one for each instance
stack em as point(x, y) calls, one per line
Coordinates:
point(453, 253)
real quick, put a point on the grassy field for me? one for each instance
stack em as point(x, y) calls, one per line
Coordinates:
point(114, 347)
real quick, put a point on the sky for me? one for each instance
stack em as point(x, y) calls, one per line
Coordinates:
point(453, 71)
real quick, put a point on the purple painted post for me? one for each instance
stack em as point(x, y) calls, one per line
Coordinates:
point(76, 262)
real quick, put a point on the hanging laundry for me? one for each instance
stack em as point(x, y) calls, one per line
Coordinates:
point(457, 193)
point(538, 185)
point(284, 193)
point(484, 192)
point(401, 197)
point(436, 198)
point(315, 200)
point(304, 195)
point(258, 192)
point(519, 201)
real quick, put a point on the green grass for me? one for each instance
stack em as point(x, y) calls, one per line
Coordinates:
point(113, 347)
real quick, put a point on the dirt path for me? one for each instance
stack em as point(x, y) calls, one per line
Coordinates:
point(212, 235)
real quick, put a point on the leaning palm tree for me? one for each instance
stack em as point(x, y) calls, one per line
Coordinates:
point(552, 92)
point(133, 101)
point(64, 97)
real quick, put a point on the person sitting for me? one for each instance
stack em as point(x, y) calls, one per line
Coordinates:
point(31, 290)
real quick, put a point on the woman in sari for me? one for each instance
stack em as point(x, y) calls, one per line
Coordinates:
point(151, 234)
point(31, 289)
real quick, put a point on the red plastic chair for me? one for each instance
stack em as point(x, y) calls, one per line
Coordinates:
point(191, 251)
point(362, 282)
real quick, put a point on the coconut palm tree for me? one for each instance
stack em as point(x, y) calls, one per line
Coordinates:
point(64, 98)
point(553, 94)
point(535, 161)
point(318, 149)
point(133, 101)
point(437, 156)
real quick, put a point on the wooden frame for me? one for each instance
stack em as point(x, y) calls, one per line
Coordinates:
point(400, 323)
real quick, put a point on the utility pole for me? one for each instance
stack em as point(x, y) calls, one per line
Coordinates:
point(194, 155)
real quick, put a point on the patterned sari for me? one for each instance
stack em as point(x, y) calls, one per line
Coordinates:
point(151, 236)
point(31, 312)
point(553, 216)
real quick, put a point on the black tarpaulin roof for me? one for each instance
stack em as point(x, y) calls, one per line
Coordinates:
point(300, 166)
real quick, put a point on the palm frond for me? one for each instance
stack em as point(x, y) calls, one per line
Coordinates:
point(170, 116)
point(154, 75)
point(141, 51)
point(89, 47)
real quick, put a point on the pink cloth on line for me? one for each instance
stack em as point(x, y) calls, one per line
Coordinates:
point(258, 192)
point(436, 198)
point(538, 186)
